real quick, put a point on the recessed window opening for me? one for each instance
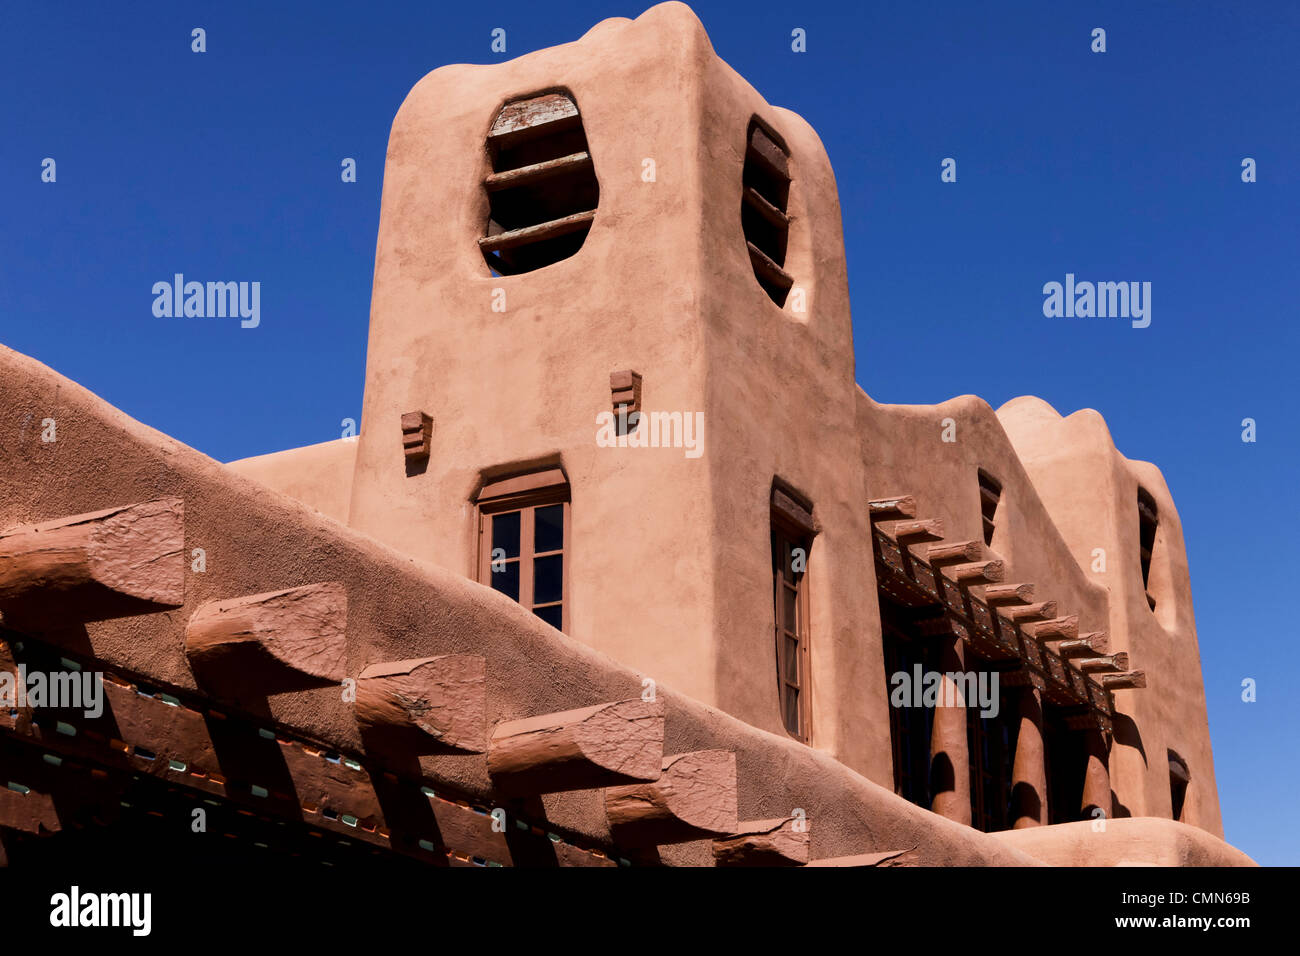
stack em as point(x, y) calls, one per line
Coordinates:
point(990, 495)
point(1179, 777)
point(542, 191)
point(1148, 519)
point(765, 192)
point(792, 536)
point(523, 541)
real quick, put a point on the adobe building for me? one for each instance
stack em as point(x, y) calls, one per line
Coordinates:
point(623, 567)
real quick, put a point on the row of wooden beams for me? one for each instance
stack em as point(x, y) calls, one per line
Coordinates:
point(1009, 603)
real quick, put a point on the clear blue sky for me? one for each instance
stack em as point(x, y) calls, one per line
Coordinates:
point(1118, 166)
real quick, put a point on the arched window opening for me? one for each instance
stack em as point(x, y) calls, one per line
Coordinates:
point(542, 191)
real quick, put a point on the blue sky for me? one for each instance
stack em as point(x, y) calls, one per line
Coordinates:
point(1117, 166)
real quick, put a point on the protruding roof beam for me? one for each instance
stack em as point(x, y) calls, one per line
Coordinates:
point(780, 842)
point(1028, 612)
point(925, 529)
point(608, 744)
point(1057, 629)
point(302, 629)
point(978, 573)
point(938, 554)
point(1130, 680)
point(1095, 642)
point(900, 506)
point(110, 563)
point(423, 701)
point(1008, 594)
point(1110, 663)
point(693, 799)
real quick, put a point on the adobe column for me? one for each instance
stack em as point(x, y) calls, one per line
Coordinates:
point(1096, 777)
point(949, 755)
point(1029, 770)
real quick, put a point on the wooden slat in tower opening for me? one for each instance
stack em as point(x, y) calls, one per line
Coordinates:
point(542, 189)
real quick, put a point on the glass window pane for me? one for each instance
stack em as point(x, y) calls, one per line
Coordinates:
point(548, 579)
point(552, 615)
point(507, 580)
point(792, 660)
point(790, 620)
point(791, 710)
point(505, 533)
point(548, 533)
point(787, 562)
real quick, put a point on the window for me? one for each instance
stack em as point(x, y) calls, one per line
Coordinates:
point(792, 534)
point(1179, 777)
point(765, 190)
point(910, 727)
point(990, 495)
point(542, 191)
point(991, 743)
point(1147, 521)
point(523, 531)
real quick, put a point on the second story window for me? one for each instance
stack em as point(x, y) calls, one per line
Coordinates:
point(1148, 519)
point(792, 535)
point(523, 531)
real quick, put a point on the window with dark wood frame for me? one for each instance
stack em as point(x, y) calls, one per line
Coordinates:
point(523, 542)
point(542, 191)
point(792, 537)
point(765, 191)
point(1148, 519)
point(990, 495)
